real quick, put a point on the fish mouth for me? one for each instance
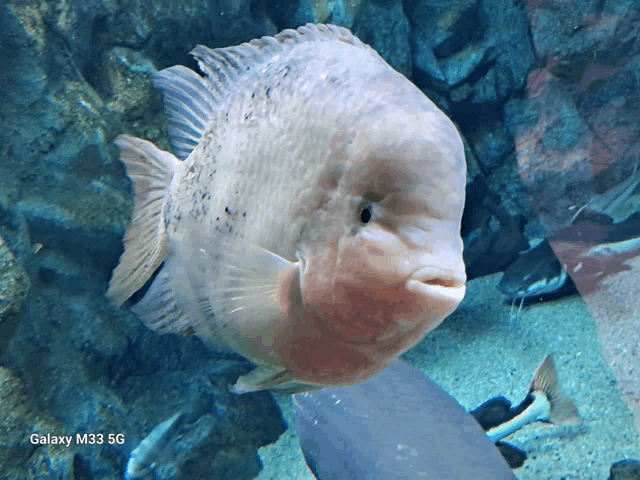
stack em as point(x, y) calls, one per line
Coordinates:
point(433, 281)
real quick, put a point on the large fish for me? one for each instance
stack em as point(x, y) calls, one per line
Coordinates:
point(398, 424)
point(310, 219)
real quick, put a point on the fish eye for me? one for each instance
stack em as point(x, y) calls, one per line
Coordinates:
point(365, 210)
point(365, 214)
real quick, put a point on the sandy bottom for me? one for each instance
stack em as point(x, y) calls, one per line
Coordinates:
point(474, 355)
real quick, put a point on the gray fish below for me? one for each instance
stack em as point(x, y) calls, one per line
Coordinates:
point(310, 219)
point(398, 424)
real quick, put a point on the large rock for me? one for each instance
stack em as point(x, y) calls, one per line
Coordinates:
point(337, 12)
point(575, 132)
point(384, 25)
point(625, 470)
point(22, 427)
point(14, 283)
point(97, 370)
point(463, 46)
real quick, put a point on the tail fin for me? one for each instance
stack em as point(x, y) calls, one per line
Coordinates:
point(562, 409)
point(151, 170)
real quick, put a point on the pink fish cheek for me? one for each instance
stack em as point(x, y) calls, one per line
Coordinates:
point(365, 315)
point(386, 321)
point(315, 355)
point(346, 342)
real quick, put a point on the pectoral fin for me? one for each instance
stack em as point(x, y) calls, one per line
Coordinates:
point(241, 293)
point(262, 378)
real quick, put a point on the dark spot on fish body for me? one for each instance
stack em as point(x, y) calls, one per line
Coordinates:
point(231, 229)
point(244, 214)
point(217, 219)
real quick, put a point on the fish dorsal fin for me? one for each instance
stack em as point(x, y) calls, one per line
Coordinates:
point(188, 104)
point(223, 67)
point(151, 170)
point(545, 380)
point(191, 101)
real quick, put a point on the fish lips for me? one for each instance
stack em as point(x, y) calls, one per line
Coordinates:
point(446, 288)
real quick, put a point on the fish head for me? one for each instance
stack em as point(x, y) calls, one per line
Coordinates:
point(381, 259)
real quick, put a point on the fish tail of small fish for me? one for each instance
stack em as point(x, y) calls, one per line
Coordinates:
point(546, 402)
point(149, 450)
point(151, 171)
point(562, 409)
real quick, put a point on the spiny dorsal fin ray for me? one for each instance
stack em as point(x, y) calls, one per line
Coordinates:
point(189, 106)
point(545, 379)
point(151, 170)
point(191, 101)
point(224, 66)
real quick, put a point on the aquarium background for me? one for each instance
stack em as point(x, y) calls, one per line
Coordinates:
point(545, 94)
